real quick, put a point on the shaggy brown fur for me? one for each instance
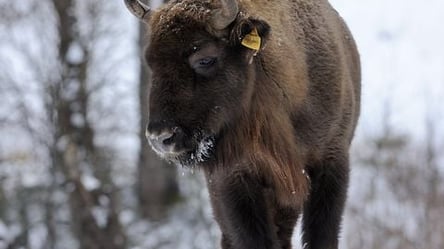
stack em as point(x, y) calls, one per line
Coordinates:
point(270, 128)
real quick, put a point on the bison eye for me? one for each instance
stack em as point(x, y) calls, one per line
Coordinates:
point(204, 66)
point(206, 62)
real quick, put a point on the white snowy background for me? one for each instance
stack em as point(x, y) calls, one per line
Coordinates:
point(400, 42)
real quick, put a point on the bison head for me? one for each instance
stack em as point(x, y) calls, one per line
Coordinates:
point(203, 74)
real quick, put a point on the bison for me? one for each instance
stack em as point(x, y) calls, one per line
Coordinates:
point(263, 96)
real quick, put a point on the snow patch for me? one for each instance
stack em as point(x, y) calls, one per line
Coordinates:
point(78, 120)
point(8, 233)
point(205, 149)
point(90, 182)
point(75, 53)
point(100, 215)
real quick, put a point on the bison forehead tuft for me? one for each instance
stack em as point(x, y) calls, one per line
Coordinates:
point(178, 13)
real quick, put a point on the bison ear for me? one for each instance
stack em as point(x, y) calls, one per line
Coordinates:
point(251, 34)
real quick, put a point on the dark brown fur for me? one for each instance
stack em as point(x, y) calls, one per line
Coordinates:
point(280, 128)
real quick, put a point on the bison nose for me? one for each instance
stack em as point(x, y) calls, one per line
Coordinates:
point(163, 141)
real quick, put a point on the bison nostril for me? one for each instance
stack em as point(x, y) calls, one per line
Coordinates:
point(166, 138)
point(163, 142)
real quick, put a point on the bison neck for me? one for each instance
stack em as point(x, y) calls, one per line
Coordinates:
point(262, 142)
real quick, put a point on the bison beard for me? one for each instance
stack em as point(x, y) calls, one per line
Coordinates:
point(263, 96)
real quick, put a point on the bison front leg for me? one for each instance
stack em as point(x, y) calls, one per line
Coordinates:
point(286, 221)
point(323, 210)
point(241, 210)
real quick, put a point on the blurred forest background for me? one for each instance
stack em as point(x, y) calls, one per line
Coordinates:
point(76, 173)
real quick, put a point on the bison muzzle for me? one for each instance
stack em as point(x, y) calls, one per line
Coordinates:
point(263, 96)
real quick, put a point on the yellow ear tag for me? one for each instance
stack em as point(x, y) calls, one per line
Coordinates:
point(252, 40)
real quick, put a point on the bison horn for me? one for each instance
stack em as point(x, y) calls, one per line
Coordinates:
point(139, 9)
point(226, 14)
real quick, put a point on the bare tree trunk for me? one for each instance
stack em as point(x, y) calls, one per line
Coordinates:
point(157, 187)
point(432, 201)
point(3, 200)
point(74, 149)
point(21, 241)
point(50, 222)
point(23, 218)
